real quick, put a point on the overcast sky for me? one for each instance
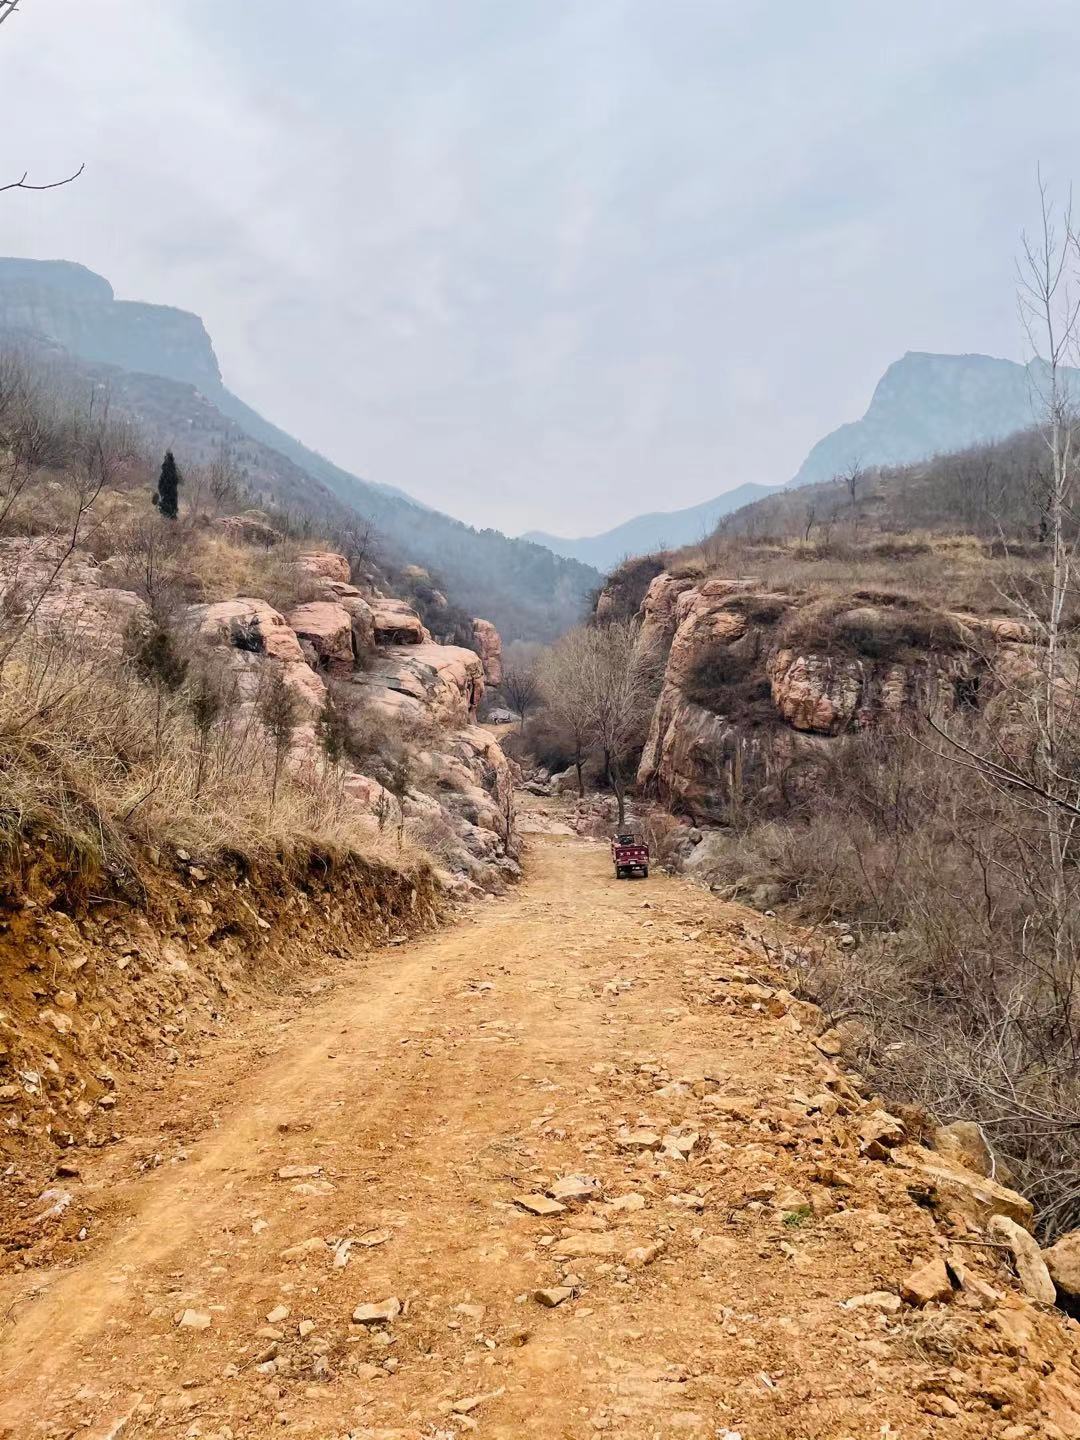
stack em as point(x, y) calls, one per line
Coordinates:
point(549, 262)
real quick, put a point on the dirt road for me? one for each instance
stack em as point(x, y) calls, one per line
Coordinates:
point(569, 1030)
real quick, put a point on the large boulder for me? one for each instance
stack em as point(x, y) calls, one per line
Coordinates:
point(489, 648)
point(325, 565)
point(396, 623)
point(71, 599)
point(1063, 1262)
point(252, 631)
point(956, 1188)
point(328, 629)
point(250, 625)
point(441, 682)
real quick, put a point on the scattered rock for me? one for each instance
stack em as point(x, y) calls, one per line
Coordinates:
point(963, 1143)
point(555, 1296)
point(299, 1172)
point(630, 1201)
point(928, 1283)
point(572, 1188)
point(1031, 1268)
point(883, 1300)
point(473, 1402)
point(642, 1255)
point(1063, 1262)
point(277, 1315)
point(539, 1204)
point(380, 1313)
point(194, 1320)
point(572, 1245)
point(950, 1187)
point(370, 1238)
point(640, 1140)
point(878, 1132)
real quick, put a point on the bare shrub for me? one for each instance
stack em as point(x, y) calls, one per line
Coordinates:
point(958, 962)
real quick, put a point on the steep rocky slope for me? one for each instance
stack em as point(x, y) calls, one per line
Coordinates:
point(159, 366)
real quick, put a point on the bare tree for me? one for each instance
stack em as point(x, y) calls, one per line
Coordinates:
point(7, 9)
point(521, 690)
point(564, 674)
point(852, 477)
point(620, 689)
point(1035, 758)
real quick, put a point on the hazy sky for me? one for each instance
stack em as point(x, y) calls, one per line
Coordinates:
point(549, 262)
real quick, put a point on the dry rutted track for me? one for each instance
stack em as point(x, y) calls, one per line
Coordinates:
point(566, 1031)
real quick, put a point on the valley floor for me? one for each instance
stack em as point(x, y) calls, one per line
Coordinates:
point(439, 1081)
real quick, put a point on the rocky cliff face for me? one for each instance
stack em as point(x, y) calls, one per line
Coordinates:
point(927, 405)
point(77, 309)
point(758, 687)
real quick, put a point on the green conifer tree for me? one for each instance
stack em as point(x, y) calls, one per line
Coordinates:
point(167, 497)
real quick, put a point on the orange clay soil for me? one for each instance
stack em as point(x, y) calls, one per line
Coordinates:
point(372, 1146)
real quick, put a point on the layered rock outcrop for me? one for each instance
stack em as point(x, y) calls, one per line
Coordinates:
point(370, 653)
point(758, 686)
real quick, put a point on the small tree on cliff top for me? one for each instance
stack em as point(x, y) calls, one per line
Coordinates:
point(167, 496)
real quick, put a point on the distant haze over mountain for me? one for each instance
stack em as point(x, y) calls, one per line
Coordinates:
point(927, 404)
point(662, 529)
point(160, 365)
point(923, 405)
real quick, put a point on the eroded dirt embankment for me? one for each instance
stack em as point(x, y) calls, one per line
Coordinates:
point(350, 1228)
point(109, 998)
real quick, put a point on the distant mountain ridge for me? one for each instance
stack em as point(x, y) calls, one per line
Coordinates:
point(161, 364)
point(924, 405)
point(661, 529)
point(927, 404)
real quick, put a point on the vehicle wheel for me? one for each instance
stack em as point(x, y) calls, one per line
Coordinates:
point(645, 873)
point(618, 872)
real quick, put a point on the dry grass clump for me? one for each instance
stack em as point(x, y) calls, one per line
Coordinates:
point(174, 562)
point(946, 571)
point(99, 762)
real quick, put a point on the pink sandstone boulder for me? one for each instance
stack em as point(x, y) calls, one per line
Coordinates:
point(249, 624)
point(328, 629)
point(325, 565)
point(396, 623)
point(443, 682)
point(489, 648)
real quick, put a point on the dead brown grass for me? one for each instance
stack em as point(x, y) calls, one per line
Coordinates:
point(104, 764)
point(947, 571)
